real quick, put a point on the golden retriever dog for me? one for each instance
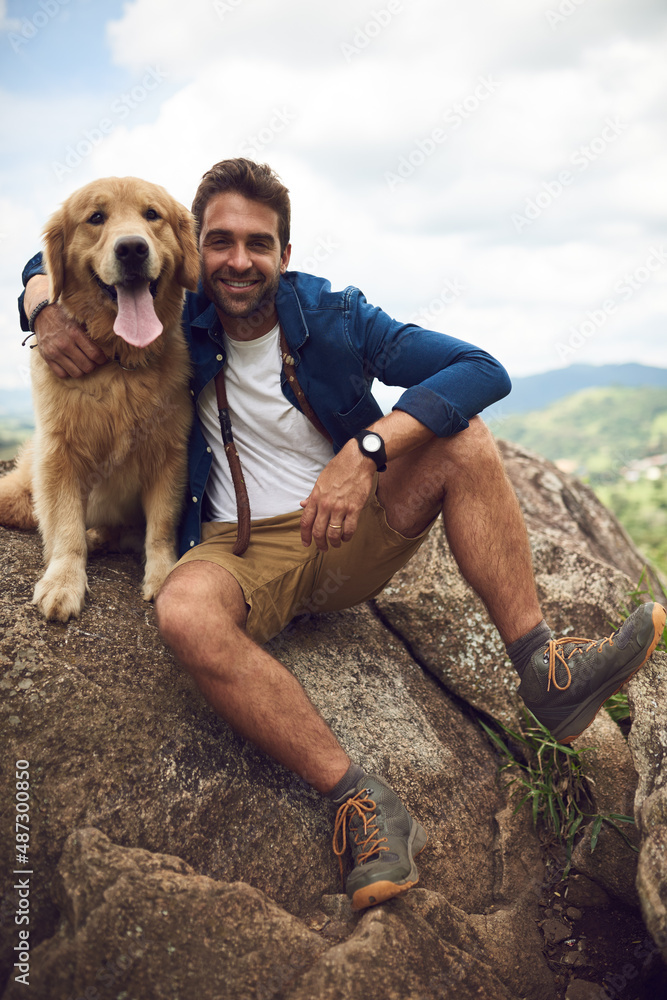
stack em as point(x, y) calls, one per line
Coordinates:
point(110, 448)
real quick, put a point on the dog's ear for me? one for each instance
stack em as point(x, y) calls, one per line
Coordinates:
point(54, 241)
point(187, 273)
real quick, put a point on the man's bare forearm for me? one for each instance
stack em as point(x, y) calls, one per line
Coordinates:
point(401, 432)
point(36, 291)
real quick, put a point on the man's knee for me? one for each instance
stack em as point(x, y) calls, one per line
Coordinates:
point(192, 595)
point(476, 436)
point(473, 450)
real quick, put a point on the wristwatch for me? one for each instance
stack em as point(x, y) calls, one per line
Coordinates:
point(372, 446)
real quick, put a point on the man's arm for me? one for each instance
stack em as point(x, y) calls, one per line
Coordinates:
point(447, 381)
point(62, 342)
point(344, 484)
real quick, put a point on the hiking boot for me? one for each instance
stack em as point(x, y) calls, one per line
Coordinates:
point(384, 840)
point(567, 681)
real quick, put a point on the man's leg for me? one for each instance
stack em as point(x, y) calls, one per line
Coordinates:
point(564, 682)
point(201, 614)
point(464, 477)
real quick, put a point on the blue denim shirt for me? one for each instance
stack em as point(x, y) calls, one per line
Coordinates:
point(340, 343)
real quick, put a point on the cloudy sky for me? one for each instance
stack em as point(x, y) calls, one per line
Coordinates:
point(494, 169)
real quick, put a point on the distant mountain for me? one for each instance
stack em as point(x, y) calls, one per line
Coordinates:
point(534, 392)
point(529, 392)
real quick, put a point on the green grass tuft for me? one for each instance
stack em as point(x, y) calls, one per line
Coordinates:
point(548, 776)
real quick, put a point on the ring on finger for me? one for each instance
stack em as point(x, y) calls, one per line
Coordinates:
point(338, 526)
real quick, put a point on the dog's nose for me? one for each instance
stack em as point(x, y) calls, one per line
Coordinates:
point(131, 251)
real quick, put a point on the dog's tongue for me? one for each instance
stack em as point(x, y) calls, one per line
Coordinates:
point(136, 322)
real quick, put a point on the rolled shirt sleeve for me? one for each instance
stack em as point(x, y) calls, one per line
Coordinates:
point(34, 266)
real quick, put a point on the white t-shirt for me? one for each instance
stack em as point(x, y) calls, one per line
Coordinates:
point(281, 453)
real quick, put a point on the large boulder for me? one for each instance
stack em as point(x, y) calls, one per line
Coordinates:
point(169, 858)
point(584, 564)
point(147, 924)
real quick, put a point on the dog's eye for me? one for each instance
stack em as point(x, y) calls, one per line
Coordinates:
point(96, 219)
point(151, 214)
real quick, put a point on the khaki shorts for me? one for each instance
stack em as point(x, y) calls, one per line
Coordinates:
point(280, 578)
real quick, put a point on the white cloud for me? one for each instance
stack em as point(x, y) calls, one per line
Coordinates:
point(277, 78)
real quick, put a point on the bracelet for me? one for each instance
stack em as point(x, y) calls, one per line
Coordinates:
point(35, 313)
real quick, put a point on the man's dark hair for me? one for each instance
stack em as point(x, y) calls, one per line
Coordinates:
point(256, 181)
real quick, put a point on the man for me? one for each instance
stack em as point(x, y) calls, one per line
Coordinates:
point(342, 493)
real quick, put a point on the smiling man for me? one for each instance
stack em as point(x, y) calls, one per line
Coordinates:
point(297, 479)
point(241, 277)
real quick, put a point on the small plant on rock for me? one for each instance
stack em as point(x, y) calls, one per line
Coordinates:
point(549, 776)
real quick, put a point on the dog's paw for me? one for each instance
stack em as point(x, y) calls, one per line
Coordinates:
point(151, 587)
point(158, 569)
point(58, 599)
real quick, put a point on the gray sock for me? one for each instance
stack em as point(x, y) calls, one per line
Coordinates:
point(521, 651)
point(347, 783)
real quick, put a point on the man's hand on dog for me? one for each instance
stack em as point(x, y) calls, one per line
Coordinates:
point(331, 512)
point(61, 341)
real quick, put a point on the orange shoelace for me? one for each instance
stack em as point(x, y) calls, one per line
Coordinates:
point(555, 654)
point(368, 839)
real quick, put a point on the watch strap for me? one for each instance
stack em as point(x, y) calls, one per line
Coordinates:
point(380, 456)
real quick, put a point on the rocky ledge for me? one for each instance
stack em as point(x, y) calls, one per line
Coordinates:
point(169, 859)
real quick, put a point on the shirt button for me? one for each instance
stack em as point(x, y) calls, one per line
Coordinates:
point(192, 544)
point(218, 357)
point(194, 499)
point(208, 449)
point(192, 392)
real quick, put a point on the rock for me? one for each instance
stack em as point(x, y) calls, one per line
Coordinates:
point(581, 989)
point(575, 960)
point(647, 693)
point(584, 567)
point(142, 801)
point(417, 946)
point(584, 892)
point(120, 740)
point(608, 765)
point(555, 931)
point(613, 863)
point(145, 925)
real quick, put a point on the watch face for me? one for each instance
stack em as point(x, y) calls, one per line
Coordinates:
point(372, 442)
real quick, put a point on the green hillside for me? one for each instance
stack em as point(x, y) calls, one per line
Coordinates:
point(602, 430)
point(13, 432)
point(613, 439)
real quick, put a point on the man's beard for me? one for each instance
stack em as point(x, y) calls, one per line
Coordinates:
point(253, 307)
